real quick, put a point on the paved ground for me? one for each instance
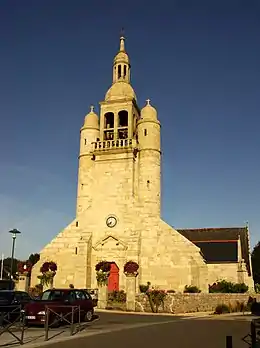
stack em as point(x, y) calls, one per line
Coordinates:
point(117, 330)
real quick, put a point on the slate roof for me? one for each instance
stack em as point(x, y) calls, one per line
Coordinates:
point(220, 244)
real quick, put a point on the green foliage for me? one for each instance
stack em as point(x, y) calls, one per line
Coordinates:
point(224, 286)
point(233, 308)
point(255, 256)
point(156, 298)
point(46, 278)
point(34, 258)
point(117, 296)
point(192, 289)
point(143, 288)
point(102, 278)
point(222, 308)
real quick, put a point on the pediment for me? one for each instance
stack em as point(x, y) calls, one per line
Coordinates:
point(110, 243)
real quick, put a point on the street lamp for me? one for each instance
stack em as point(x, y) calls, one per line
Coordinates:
point(14, 233)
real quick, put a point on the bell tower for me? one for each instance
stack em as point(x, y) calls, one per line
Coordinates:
point(119, 112)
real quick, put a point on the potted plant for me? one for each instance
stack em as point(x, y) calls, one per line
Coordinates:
point(48, 270)
point(102, 272)
point(131, 269)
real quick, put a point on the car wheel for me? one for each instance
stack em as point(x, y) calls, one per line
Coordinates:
point(89, 316)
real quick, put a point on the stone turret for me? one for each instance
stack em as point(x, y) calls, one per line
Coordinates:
point(148, 130)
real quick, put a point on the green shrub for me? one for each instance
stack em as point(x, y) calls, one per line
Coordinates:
point(192, 289)
point(117, 296)
point(224, 286)
point(143, 288)
point(221, 309)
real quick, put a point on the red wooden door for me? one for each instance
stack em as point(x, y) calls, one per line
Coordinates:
point(113, 279)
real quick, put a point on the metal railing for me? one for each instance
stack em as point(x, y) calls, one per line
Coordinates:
point(253, 338)
point(53, 316)
point(11, 315)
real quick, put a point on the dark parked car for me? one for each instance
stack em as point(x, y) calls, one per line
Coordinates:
point(11, 302)
point(60, 301)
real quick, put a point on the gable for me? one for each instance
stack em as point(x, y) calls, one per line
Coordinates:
point(110, 243)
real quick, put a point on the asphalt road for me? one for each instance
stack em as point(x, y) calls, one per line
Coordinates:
point(157, 331)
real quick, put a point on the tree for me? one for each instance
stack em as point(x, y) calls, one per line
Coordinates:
point(255, 256)
point(34, 258)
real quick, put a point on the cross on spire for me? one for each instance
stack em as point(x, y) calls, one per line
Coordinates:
point(91, 108)
point(148, 101)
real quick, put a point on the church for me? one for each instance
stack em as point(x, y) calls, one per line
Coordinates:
point(118, 207)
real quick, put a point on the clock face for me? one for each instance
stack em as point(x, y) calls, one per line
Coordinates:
point(111, 221)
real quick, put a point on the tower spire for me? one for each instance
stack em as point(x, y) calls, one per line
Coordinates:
point(122, 40)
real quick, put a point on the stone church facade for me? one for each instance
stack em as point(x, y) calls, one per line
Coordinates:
point(118, 214)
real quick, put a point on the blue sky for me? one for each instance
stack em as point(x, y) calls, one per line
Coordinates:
point(198, 62)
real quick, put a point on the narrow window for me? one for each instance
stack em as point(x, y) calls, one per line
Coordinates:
point(77, 224)
point(82, 185)
point(148, 184)
point(85, 141)
point(145, 132)
point(119, 71)
point(124, 71)
point(76, 251)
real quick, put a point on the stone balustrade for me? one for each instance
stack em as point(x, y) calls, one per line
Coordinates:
point(112, 144)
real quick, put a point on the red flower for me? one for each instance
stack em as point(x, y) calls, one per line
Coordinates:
point(131, 267)
point(53, 266)
point(103, 266)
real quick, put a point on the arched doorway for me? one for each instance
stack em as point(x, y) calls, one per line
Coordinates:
point(113, 279)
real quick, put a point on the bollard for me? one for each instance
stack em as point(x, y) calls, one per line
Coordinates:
point(229, 342)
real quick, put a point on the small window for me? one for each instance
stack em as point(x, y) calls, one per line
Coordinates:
point(77, 224)
point(145, 132)
point(76, 251)
point(85, 141)
point(124, 71)
point(148, 184)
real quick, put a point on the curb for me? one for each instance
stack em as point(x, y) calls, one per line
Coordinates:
point(197, 314)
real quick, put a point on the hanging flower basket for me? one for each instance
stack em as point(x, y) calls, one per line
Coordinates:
point(131, 269)
point(102, 272)
point(48, 270)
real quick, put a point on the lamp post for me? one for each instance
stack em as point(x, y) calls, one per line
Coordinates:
point(14, 233)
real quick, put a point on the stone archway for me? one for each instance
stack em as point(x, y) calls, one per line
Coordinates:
point(113, 279)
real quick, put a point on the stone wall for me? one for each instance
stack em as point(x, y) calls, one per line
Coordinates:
point(189, 303)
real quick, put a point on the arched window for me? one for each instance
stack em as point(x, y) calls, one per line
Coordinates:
point(123, 118)
point(123, 124)
point(109, 120)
